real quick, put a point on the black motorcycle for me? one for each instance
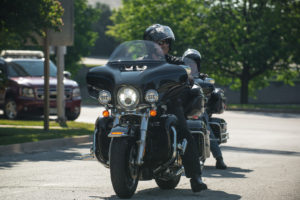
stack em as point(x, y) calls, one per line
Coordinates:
point(136, 137)
point(215, 104)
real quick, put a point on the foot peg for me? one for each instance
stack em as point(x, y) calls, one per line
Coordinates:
point(182, 146)
point(88, 156)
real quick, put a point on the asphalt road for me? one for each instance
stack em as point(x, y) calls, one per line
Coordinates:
point(263, 155)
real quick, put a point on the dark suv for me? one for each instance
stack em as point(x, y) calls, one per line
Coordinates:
point(22, 86)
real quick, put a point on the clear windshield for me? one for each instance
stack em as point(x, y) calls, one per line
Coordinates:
point(193, 65)
point(137, 50)
point(21, 68)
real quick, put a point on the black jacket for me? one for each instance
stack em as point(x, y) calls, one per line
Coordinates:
point(174, 60)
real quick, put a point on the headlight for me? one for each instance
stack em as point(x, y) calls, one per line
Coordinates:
point(128, 97)
point(76, 92)
point(151, 96)
point(104, 97)
point(27, 92)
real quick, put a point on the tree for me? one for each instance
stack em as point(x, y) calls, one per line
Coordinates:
point(104, 45)
point(243, 42)
point(250, 41)
point(85, 37)
point(19, 19)
point(132, 19)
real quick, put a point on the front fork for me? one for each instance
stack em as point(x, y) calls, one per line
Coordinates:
point(143, 134)
point(142, 141)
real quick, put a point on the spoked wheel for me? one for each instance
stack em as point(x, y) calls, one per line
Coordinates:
point(123, 171)
point(10, 109)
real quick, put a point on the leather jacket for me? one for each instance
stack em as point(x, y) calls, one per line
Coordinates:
point(174, 60)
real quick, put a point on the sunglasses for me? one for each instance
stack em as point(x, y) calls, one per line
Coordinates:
point(162, 42)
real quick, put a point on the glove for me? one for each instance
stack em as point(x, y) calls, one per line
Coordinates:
point(203, 76)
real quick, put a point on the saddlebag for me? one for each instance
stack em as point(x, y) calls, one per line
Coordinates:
point(219, 127)
point(201, 136)
point(216, 102)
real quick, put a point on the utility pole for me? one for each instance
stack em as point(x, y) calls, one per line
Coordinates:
point(60, 98)
point(46, 81)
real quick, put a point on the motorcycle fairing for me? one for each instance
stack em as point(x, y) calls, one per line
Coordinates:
point(166, 78)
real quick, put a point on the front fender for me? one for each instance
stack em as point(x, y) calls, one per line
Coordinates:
point(119, 131)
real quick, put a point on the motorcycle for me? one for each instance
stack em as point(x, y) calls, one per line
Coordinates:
point(215, 102)
point(136, 138)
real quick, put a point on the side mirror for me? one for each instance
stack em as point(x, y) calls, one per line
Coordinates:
point(67, 74)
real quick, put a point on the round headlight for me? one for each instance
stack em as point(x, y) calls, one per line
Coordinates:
point(128, 97)
point(104, 97)
point(151, 96)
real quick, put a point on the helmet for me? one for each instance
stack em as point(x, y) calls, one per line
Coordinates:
point(194, 55)
point(158, 32)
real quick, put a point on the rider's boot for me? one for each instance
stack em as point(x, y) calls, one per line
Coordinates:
point(220, 163)
point(197, 184)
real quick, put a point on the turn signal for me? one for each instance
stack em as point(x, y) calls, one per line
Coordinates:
point(116, 133)
point(105, 113)
point(153, 113)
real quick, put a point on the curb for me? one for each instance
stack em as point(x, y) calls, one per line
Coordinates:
point(44, 145)
point(287, 111)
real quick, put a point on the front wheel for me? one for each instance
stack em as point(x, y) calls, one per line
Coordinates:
point(72, 115)
point(123, 171)
point(10, 109)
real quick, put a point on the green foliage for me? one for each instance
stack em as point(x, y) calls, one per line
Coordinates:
point(19, 19)
point(104, 45)
point(243, 43)
point(251, 41)
point(84, 37)
point(131, 20)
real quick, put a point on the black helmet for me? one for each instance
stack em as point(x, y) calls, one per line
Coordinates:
point(194, 55)
point(158, 32)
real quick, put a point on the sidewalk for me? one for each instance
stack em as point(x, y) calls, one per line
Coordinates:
point(43, 145)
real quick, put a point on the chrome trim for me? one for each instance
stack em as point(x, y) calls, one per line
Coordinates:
point(142, 141)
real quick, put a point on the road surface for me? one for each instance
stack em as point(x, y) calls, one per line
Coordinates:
point(263, 156)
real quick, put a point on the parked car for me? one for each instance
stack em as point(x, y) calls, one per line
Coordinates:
point(22, 86)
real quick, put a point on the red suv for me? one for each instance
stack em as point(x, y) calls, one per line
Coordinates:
point(22, 86)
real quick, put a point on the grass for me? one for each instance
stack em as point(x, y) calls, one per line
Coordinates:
point(32, 131)
point(294, 107)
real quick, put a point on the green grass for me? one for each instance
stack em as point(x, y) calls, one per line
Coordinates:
point(265, 106)
point(19, 134)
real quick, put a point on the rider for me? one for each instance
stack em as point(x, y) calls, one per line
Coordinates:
point(164, 37)
point(195, 56)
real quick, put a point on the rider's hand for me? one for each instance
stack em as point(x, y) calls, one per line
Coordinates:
point(203, 76)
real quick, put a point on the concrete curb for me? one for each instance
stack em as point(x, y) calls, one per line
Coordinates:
point(44, 145)
point(266, 110)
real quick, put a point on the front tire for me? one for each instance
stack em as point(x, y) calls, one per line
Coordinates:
point(123, 171)
point(10, 109)
point(169, 184)
point(73, 115)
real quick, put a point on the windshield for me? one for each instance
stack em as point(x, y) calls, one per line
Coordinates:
point(19, 68)
point(137, 50)
point(193, 65)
